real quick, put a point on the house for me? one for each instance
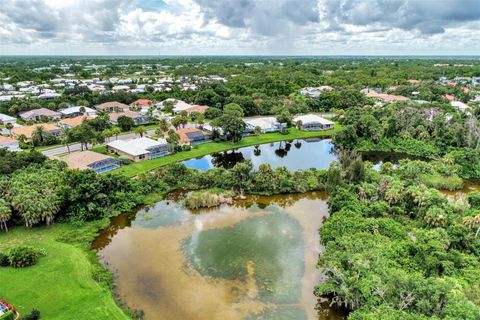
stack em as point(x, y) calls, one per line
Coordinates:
point(313, 122)
point(196, 108)
point(69, 123)
point(449, 97)
point(386, 97)
point(76, 111)
point(89, 160)
point(138, 118)
point(9, 143)
point(112, 106)
point(178, 105)
point(139, 149)
point(7, 119)
point(28, 131)
point(266, 124)
point(192, 136)
point(314, 92)
point(459, 105)
point(141, 103)
point(39, 114)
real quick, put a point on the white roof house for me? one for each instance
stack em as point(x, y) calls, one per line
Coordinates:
point(459, 105)
point(71, 111)
point(7, 119)
point(178, 105)
point(140, 148)
point(266, 124)
point(306, 118)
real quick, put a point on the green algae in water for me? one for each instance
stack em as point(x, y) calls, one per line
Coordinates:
point(162, 214)
point(272, 245)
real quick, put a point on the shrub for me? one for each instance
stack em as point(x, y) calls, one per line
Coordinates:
point(23, 256)
point(4, 260)
point(474, 200)
point(33, 315)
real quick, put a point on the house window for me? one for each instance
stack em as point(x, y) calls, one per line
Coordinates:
point(141, 157)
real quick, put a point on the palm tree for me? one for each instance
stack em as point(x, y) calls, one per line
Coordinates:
point(107, 133)
point(39, 134)
point(67, 137)
point(5, 214)
point(116, 131)
point(9, 127)
point(163, 125)
point(140, 130)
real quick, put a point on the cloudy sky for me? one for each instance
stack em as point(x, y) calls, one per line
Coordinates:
point(263, 27)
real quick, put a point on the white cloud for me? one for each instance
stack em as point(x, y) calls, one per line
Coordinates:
point(240, 27)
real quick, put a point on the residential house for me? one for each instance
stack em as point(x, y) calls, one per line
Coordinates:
point(139, 149)
point(7, 119)
point(196, 108)
point(69, 123)
point(313, 122)
point(386, 97)
point(28, 131)
point(89, 160)
point(141, 103)
point(193, 136)
point(39, 114)
point(9, 143)
point(138, 118)
point(314, 92)
point(178, 105)
point(76, 111)
point(266, 124)
point(112, 106)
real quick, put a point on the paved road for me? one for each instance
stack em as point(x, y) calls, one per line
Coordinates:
point(76, 146)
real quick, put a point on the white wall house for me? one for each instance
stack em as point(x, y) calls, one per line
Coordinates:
point(266, 124)
point(313, 122)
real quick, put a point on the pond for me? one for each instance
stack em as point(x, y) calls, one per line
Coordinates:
point(255, 259)
point(294, 155)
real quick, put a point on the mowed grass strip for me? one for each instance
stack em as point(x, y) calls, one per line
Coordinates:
point(201, 150)
point(60, 285)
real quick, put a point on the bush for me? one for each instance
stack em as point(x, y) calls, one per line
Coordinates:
point(33, 315)
point(23, 256)
point(4, 260)
point(186, 147)
point(474, 200)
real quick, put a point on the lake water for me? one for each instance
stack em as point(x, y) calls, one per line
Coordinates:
point(255, 259)
point(294, 155)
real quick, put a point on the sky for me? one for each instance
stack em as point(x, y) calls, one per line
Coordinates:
point(240, 27)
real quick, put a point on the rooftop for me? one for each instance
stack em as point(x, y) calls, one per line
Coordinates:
point(83, 159)
point(136, 147)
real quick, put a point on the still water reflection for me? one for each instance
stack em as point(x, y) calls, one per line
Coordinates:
point(252, 260)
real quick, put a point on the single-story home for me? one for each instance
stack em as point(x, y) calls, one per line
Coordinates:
point(192, 136)
point(138, 118)
point(75, 111)
point(178, 105)
point(313, 122)
point(9, 143)
point(386, 97)
point(112, 106)
point(314, 92)
point(28, 131)
point(196, 108)
point(69, 123)
point(141, 103)
point(39, 114)
point(139, 149)
point(266, 124)
point(7, 119)
point(89, 160)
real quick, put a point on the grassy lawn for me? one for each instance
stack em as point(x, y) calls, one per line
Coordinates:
point(134, 169)
point(60, 285)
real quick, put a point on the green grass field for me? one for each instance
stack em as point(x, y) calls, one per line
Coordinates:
point(201, 150)
point(60, 285)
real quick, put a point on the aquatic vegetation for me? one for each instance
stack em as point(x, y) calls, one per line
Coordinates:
point(271, 245)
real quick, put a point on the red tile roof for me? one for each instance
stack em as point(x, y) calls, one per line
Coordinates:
point(200, 109)
point(183, 134)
